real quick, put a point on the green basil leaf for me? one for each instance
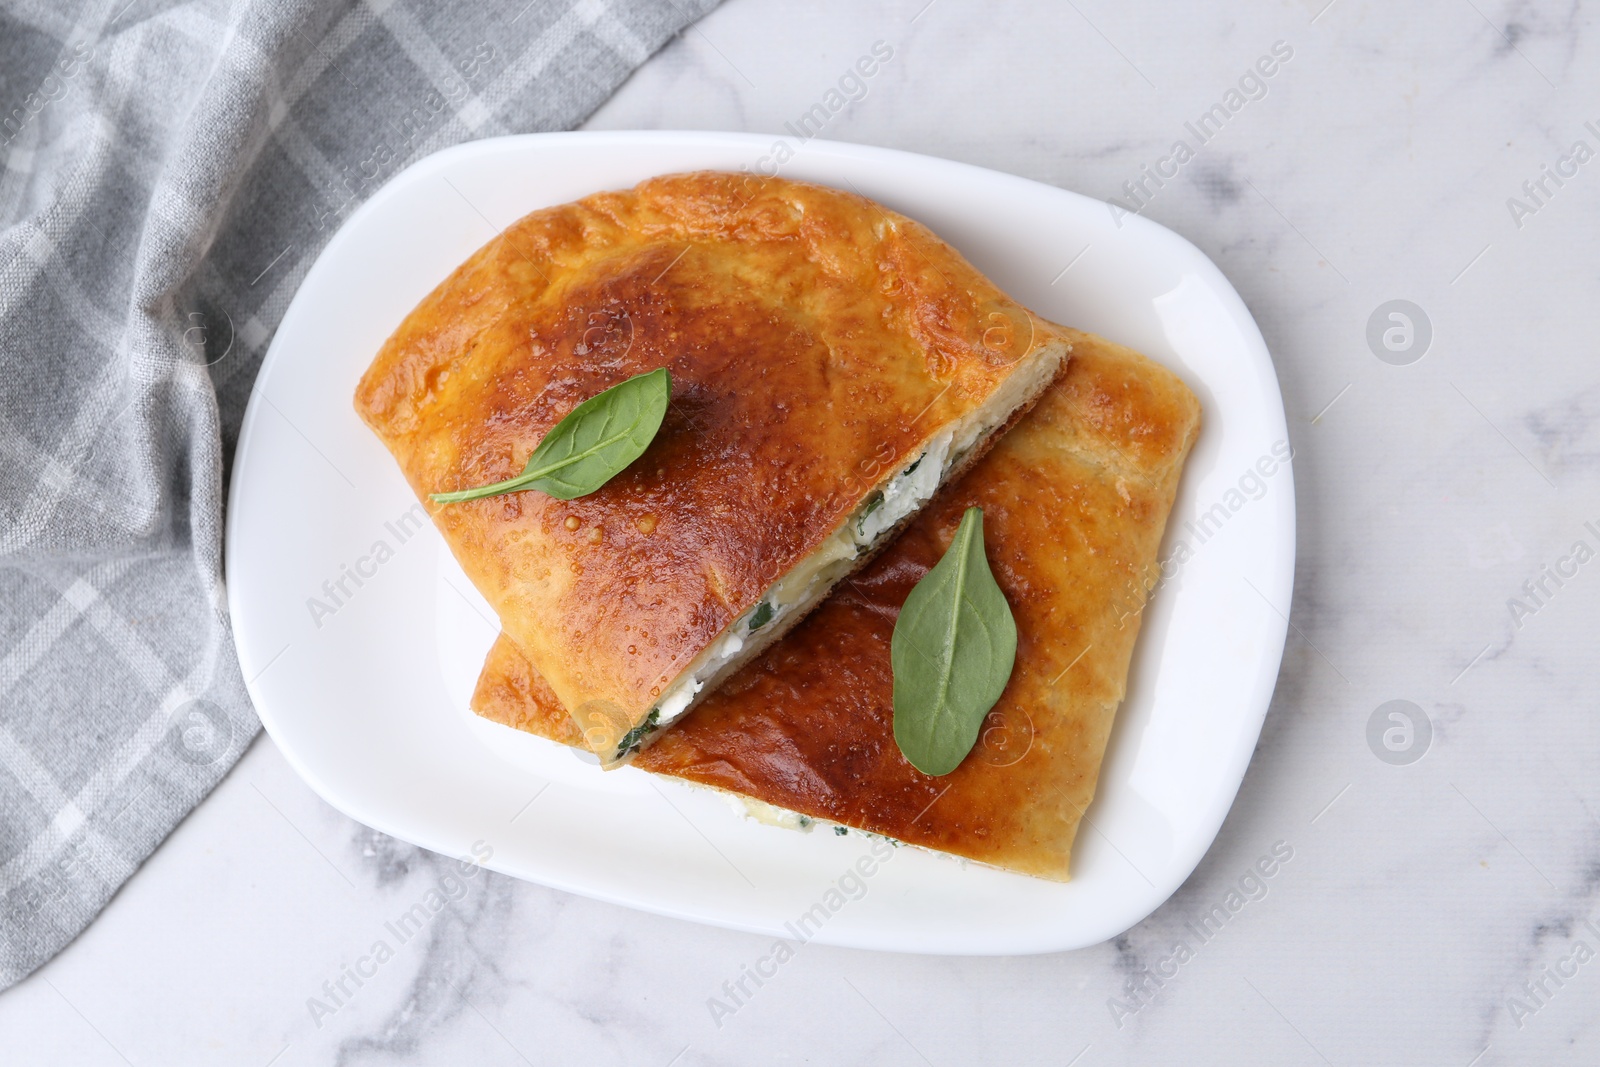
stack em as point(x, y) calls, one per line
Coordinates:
point(592, 445)
point(953, 649)
point(761, 616)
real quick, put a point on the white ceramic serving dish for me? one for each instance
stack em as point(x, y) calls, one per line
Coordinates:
point(368, 702)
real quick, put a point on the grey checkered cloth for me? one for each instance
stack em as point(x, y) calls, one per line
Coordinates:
point(170, 171)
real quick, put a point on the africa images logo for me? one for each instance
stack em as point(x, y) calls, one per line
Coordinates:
point(342, 587)
point(1140, 191)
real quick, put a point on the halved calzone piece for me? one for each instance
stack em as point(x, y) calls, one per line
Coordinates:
point(832, 363)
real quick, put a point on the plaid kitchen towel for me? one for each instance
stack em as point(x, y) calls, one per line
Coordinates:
point(170, 171)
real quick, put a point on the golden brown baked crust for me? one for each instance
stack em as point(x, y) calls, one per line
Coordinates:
point(1075, 499)
point(816, 342)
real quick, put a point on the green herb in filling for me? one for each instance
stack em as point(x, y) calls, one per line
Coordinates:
point(873, 503)
point(634, 738)
point(761, 616)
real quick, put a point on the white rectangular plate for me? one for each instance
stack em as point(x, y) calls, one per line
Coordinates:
point(368, 700)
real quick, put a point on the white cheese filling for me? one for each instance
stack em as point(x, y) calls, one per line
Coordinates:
point(770, 814)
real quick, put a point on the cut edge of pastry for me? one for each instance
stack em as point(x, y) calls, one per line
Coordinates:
point(884, 511)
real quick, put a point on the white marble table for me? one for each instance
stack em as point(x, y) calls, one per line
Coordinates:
point(1432, 912)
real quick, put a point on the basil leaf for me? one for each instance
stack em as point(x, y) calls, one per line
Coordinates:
point(592, 445)
point(953, 649)
point(761, 616)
